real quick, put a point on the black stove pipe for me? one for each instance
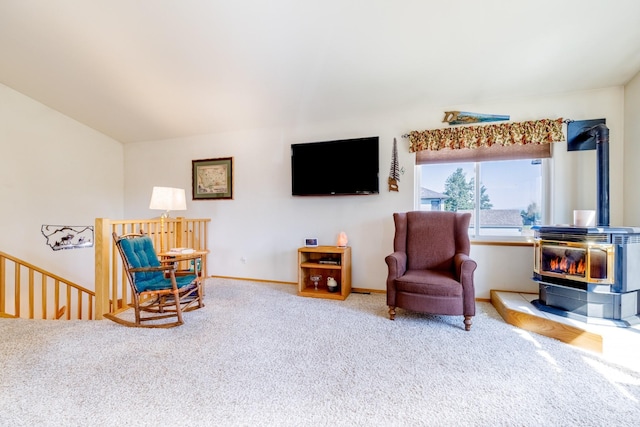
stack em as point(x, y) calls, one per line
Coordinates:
point(601, 133)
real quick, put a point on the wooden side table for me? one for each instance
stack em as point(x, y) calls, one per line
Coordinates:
point(197, 259)
point(323, 262)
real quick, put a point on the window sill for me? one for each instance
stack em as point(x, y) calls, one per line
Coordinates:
point(502, 241)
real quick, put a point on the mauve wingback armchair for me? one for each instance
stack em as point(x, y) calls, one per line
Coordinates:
point(430, 270)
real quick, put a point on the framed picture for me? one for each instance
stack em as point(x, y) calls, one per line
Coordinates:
point(212, 178)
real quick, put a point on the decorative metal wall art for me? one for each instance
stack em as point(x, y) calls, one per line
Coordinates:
point(67, 236)
point(394, 173)
point(463, 117)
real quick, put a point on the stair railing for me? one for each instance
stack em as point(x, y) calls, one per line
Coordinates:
point(27, 291)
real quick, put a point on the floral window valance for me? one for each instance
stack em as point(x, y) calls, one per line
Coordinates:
point(535, 132)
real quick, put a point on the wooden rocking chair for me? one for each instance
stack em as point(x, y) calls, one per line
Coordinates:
point(156, 290)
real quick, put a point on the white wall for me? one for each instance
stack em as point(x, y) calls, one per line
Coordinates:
point(53, 171)
point(632, 152)
point(265, 225)
point(57, 171)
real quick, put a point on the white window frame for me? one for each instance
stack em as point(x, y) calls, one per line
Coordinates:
point(547, 198)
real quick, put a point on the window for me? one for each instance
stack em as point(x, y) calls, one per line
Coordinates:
point(505, 197)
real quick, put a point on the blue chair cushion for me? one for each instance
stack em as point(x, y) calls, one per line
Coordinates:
point(140, 253)
point(161, 282)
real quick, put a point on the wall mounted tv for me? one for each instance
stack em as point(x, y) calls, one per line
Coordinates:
point(340, 167)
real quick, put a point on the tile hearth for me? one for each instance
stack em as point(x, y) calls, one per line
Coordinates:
point(616, 344)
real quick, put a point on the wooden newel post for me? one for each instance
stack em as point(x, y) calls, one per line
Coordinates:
point(102, 266)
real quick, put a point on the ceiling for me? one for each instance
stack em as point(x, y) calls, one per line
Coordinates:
point(141, 70)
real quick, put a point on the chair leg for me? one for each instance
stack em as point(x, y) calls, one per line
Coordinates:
point(176, 297)
point(392, 312)
point(161, 302)
point(136, 309)
point(467, 323)
point(200, 294)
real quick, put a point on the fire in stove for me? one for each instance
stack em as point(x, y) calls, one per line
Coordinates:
point(564, 265)
point(570, 262)
point(582, 261)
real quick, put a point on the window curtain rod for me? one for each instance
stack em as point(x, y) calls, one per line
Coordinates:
point(536, 132)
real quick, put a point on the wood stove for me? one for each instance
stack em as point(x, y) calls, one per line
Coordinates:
point(589, 273)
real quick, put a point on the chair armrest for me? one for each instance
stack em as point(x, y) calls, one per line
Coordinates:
point(465, 268)
point(175, 260)
point(397, 264)
point(178, 258)
point(150, 269)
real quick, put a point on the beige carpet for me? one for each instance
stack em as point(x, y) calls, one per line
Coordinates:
point(258, 355)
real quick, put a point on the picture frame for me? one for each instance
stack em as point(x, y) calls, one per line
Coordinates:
point(212, 179)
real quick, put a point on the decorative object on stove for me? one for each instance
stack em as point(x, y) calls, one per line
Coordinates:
point(584, 218)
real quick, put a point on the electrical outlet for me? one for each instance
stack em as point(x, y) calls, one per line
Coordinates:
point(243, 260)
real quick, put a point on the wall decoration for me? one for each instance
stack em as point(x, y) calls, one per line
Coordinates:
point(212, 178)
point(463, 117)
point(394, 173)
point(67, 236)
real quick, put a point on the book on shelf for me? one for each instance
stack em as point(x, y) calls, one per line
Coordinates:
point(181, 251)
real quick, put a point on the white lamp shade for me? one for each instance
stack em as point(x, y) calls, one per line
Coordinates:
point(168, 199)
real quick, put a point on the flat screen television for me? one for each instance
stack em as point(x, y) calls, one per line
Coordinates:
point(340, 167)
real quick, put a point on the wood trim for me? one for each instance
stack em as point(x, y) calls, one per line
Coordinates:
point(249, 279)
point(4, 315)
point(482, 154)
point(499, 243)
point(368, 291)
point(544, 326)
point(279, 282)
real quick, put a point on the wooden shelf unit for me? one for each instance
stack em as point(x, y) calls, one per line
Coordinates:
point(309, 265)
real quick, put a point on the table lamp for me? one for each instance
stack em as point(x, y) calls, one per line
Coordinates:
point(167, 199)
